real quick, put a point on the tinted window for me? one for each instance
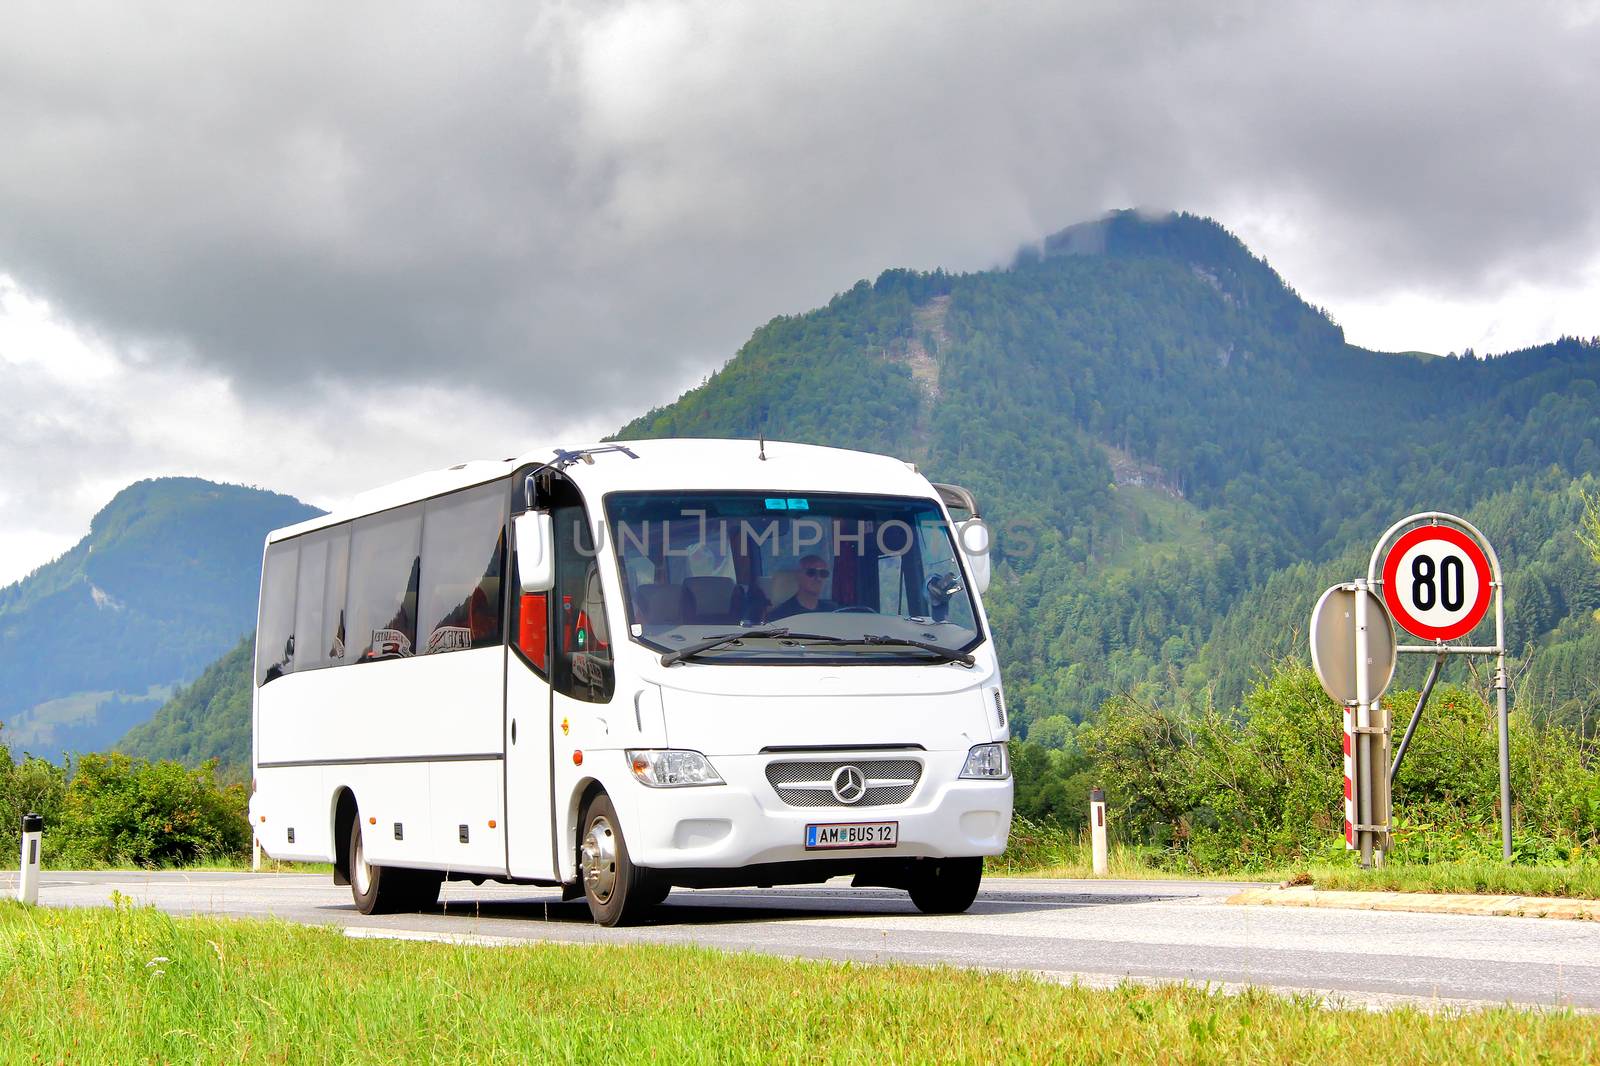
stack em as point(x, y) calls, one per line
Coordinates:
point(583, 667)
point(463, 552)
point(381, 616)
point(856, 578)
point(309, 650)
point(275, 631)
point(331, 637)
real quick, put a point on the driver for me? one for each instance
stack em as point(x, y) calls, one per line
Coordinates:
point(808, 596)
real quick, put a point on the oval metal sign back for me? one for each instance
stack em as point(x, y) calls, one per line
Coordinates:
point(1437, 582)
point(1333, 644)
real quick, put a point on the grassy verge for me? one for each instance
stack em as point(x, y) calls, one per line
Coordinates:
point(1042, 850)
point(1037, 850)
point(130, 985)
point(1481, 878)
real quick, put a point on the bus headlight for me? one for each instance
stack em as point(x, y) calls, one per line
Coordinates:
point(987, 761)
point(673, 768)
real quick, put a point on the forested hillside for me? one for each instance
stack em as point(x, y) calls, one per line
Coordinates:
point(166, 580)
point(1178, 454)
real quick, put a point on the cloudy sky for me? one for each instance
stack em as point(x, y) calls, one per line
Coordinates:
point(314, 251)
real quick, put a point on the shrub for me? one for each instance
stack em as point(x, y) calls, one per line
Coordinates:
point(1262, 786)
point(32, 786)
point(118, 810)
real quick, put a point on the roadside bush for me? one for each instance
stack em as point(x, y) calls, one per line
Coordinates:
point(1263, 786)
point(32, 786)
point(118, 810)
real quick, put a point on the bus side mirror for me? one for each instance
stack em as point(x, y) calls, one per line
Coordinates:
point(536, 567)
point(973, 536)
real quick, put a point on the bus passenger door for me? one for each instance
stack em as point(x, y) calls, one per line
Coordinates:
point(528, 814)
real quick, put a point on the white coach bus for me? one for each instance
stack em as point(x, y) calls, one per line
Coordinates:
point(629, 667)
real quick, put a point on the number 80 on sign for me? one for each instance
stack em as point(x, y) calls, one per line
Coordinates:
point(1437, 583)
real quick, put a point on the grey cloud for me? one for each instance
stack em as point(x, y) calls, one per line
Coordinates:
point(582, 205)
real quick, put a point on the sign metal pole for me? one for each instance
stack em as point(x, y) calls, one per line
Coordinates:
point(1505, 721)
point(1363, 729)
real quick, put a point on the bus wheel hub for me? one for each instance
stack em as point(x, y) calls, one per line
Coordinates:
point(600, 860)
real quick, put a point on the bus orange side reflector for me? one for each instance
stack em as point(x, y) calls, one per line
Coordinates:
point(491, 823)
point(372, 821)
point(577, 758)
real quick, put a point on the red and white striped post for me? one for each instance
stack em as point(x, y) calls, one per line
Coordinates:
point(1349, 777)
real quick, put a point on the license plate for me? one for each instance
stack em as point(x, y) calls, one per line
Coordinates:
point(852, 835)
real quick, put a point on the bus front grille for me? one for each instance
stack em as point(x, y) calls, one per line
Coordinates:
point(810, 784)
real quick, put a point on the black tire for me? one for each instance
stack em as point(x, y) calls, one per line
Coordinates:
point(946, 886)
point(658, 890)
point(617, 891)
point(423, 887)
point(388, 889)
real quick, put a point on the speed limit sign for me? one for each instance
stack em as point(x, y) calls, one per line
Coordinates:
point(1436, 582)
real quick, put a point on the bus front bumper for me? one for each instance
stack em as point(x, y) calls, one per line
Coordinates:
point(744, 822)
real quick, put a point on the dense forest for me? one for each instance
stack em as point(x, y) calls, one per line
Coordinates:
point(1161, 432)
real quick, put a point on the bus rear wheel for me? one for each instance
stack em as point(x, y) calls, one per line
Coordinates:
point(617, 891)
point(947, 886)
point(388, 889)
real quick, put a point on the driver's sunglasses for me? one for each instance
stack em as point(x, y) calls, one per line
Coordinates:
point(816, 571)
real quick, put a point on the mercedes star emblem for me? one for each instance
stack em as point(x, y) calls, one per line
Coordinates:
point(849, 784)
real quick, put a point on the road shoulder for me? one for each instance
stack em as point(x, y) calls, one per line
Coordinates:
point(1421, 902)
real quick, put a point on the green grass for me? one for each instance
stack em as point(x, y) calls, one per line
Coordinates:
point(1043, 850)
point(1040, 849)
point(135, 985)
point(1480, 878)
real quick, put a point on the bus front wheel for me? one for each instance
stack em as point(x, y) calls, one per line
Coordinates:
point(388, 889)
point(948, 886)
point(617, 891)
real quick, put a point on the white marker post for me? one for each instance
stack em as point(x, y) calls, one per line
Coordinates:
point(28, 883)
point(1097, 830)
point(255, 851)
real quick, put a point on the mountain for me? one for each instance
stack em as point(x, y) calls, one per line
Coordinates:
point(1178, 454)
point(209, 719)
point(166, 580)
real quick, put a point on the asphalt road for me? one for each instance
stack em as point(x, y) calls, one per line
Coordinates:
point(1099, 932)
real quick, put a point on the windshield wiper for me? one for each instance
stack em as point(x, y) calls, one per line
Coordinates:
point(945, 654)
point(691, 650)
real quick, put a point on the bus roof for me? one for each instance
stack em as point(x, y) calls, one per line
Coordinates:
point(697, 465)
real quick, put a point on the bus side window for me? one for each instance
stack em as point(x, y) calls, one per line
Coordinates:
point(382, 613)
point(308, 652)
point(463, 551)
point(275, 633)
point(332, 636)
point(583, 666)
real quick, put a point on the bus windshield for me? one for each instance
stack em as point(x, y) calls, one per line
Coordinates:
point(827, 577)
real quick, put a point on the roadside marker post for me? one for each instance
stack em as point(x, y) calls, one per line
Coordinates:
point(1097, 830)
point(32, 836)
point(255, 851)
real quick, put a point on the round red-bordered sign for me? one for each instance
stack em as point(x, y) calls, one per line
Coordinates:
point(1437, 582)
